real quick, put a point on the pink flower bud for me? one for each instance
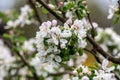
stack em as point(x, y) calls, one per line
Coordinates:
point(54, 22)
point(69, 21)
point(85, 78)
point(51, 6)
point(60, 4)
point(84, 3)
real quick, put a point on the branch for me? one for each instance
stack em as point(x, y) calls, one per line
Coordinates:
point(35, 10)
point(56, 2)
point(90, 21)
point(94, 54)
point(22, 58)
point(103, 53)
point(51, 11)
point(61, 73)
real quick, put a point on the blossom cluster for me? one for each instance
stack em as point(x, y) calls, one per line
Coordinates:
point(29, 46)
point(55, 43)
point(109, 40)
point(113, 8)
point(6, 59)
point(23, 19)
point(101, 72)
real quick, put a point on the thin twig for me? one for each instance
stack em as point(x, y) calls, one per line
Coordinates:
point(51, 11)
point(92, 30)
point(35, 10)
point(22, 58)
point(61, 73)
point(94, 54)
point(56, 2)
point(100, 50)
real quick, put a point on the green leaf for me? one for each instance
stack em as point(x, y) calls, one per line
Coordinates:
point(41, 78)
point(4, 17)
point(18, 48)
point(45, 41)
point(80, 51)
point(117, 73)
point(96, 64)
point(64, 54)
point(20, 39)
point(80, 13)
point(44, 10)
point(95, 33)
point(14, 14)
point(7, 36)
point(116, 20)
point(80, 70)
point(73, 39)
point(71, 51)
point(68, 6)
point(93, 68)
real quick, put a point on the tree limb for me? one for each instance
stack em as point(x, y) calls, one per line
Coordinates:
point(102, 52)
point(22, 58)
point(35, 10)
point(51, 11)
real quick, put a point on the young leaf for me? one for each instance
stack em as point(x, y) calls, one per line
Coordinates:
point(44, 10)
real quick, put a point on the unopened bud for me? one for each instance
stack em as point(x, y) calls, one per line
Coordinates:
point(60, 4)
point(69, 21)
point(51, 6)
point(84, 3)
point(54, 22)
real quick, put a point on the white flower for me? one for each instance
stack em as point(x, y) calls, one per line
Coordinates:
point(66, 34)
point(23, 18)
point(63, 43)
point(10, 24)
point(58, 58)
point(28, 46)
point(101, 75)
point(105, 63)
point(26, 8)
point(85, 78)
point(75, 78)
point(84, 68)
point(81, 59)
point(112, 9)
point(69, 14)
point(54, 22)
point(55, 40)
point(6, 60)
point(118, 67)
point(69, 21)
point(95, 25)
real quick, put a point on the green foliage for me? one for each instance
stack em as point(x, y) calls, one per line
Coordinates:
point(80, 51)
point(20, 39)
point(44, 10)
point(4, 17)
point(116, 19)
point(80, 9)
point(14, 14)
point(95, 32)
point(7, 36)
point(64, 54)
point(68, 6)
